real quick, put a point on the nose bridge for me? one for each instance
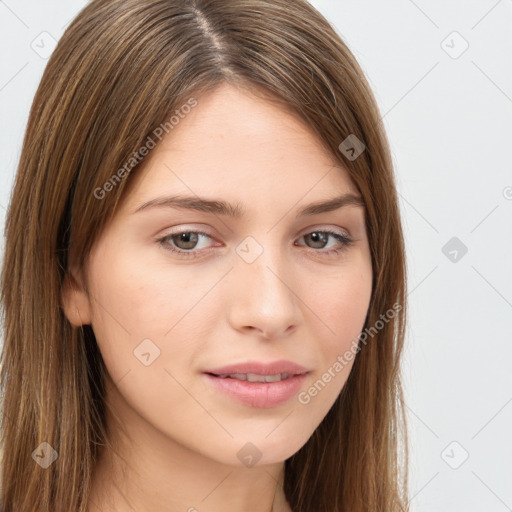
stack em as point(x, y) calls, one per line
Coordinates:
point(262, 260)
point(263, 298)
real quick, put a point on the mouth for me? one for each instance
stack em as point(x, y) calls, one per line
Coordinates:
point(252, 377)
point(259, 369)
point(258, 385)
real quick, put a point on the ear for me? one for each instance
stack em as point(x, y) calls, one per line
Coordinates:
point(75, 300)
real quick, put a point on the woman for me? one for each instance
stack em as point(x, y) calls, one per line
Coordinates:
point(204, 277)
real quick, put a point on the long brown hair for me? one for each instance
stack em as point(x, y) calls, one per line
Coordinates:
point(119, 70)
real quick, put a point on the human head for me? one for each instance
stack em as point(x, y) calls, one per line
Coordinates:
point(91, 113)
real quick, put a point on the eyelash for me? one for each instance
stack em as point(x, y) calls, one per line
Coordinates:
point(343, 239)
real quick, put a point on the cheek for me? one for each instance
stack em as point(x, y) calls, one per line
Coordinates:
point(341, 308)
point(341, 304)
point(139, 295)
point(134, 301)
point(122, 299)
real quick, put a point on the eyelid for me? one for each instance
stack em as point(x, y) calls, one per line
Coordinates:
point(326, 227)
point(184, 228)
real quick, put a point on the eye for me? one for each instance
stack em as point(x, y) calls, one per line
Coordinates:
point(186, 240)
point(319, 238)
point(184, 243)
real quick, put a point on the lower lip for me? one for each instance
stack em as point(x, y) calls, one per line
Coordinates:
point(259, 394)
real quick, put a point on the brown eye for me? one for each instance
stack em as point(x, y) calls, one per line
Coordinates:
point(184, 243)
point(186, 240)
point(319, 239)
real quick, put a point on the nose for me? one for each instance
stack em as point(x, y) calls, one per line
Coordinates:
point(263, 295)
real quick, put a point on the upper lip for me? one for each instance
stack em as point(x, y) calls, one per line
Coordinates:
point(260, 368)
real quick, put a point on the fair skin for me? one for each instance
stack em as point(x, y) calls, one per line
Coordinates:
point(181, 435)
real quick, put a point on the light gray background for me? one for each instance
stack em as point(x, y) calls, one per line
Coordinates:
point(449, 121)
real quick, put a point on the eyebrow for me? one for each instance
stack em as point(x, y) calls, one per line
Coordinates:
point(236, 211)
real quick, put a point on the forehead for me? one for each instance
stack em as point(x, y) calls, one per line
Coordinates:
point(235, 144)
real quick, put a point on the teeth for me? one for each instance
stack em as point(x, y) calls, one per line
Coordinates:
point(252, 377)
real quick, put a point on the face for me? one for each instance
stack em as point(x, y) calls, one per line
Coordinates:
point(178, 294)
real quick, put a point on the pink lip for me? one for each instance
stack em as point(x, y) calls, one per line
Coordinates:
point(259, 394)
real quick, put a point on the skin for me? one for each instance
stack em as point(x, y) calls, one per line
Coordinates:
point(178, 447)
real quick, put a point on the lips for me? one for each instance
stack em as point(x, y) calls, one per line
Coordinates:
point(257, 384)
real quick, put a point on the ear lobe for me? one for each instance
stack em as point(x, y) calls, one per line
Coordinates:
point(75, 301)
